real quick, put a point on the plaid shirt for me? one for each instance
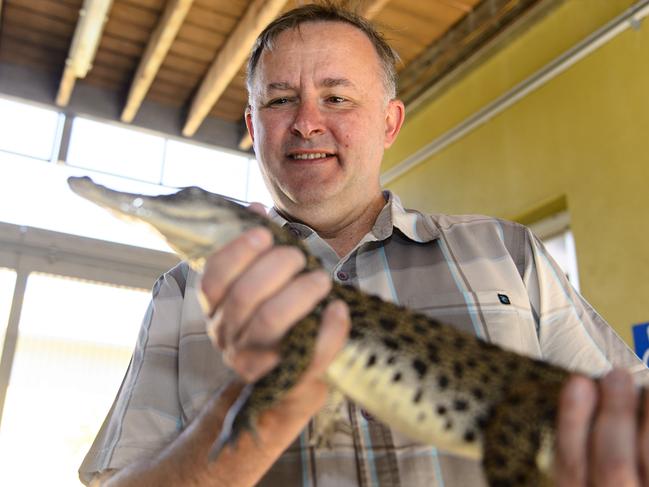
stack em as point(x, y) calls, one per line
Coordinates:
point(486, 276)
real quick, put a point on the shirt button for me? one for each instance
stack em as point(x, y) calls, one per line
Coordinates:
point(342, 275)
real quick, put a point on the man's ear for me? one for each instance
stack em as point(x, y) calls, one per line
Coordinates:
point(248, 119)
point(394, 117)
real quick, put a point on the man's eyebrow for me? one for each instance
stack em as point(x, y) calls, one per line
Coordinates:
point(327, 83)
point(334, 82)
point(279, 86)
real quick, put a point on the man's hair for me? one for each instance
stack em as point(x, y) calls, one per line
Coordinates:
point(326, 12)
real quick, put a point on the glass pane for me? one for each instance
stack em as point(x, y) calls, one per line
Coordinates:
point(7, 283)
point(46, 202)
point(27, 129)
point(562, 249)
point(116, 150)
point(213, 170)
point(257, 190)
point(75, 342)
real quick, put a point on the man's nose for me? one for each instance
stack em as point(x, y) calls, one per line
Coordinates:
point(308, 120)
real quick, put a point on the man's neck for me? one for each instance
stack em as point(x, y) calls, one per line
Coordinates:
point(344, 231)
point(345, 236)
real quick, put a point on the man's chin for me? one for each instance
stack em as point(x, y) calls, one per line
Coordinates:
point(312, 193)
point(309, 198)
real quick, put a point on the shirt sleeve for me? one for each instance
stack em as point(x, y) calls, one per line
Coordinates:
point(571, 332)
point(146, 414)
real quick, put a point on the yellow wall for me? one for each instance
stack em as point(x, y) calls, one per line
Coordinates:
point(584, 135)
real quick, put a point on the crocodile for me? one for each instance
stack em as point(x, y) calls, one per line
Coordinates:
point(428, 380)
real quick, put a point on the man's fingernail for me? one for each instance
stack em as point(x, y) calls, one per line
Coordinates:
point(578, 389)
point(617, 380)
point(339, 310)
point(258, 238)
point(322, 277)
point(213, 323)
point(258, 208)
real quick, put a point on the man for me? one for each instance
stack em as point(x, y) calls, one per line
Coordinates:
point(322, 111)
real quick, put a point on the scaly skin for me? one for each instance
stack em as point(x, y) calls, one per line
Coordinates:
point(434, 383)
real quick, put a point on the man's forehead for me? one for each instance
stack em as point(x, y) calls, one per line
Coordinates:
point(331, 57)
point(321, 30)
point(319, 39)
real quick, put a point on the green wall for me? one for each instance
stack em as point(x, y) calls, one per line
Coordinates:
point(584, 136)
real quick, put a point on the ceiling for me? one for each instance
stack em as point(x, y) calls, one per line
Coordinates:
point(178, 66)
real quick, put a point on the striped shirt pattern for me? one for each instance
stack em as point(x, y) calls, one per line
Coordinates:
point(486, 276)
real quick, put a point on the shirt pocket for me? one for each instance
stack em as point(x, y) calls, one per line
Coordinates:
point(496, 315)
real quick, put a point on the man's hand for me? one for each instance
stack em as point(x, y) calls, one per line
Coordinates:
point(256, 293)
point(602, 439)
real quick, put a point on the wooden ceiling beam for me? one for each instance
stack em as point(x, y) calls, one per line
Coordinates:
point(154, 54)
point(92, 18)
point(230, 59)
point(369, 10)
point(469, 41)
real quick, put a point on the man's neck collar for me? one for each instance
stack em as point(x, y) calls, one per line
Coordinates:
point(342, 236)
point(412, 224)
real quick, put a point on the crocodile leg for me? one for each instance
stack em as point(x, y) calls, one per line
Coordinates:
point(330, 420)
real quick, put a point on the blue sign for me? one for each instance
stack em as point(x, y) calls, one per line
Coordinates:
point(641, 341)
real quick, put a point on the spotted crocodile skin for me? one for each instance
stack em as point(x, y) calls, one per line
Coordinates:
point(432, 382)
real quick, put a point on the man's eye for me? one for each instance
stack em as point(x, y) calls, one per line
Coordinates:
point(335, 99)
point(278, 101)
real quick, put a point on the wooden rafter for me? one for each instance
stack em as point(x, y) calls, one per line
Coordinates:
point(156, 50)
point(229, 60)
point(92, 18)
point(369, 10)
point(480, 29)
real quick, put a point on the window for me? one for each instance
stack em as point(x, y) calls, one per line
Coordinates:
point(7, 282)
point(557, 237)
point(36, 194)
point(257, 190)
point(28, 130)
point(215, 171)
point(74, 343)
point(72, 352)
point(562, 249)
point(116, 150)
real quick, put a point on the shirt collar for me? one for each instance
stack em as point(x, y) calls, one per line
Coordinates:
point(299, 229)
point(411, 223)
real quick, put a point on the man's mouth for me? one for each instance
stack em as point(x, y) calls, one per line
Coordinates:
point(307, 156)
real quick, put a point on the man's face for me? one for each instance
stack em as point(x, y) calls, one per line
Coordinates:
point(320, 118)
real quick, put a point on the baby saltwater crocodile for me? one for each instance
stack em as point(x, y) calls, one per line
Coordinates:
point(432, 382)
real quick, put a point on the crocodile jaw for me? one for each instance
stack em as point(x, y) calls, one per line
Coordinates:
point(193, 227)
